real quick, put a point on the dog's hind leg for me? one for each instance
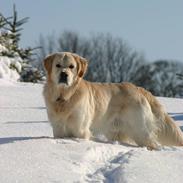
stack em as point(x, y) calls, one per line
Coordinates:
point(83, 133)
point(140, 125)
point(145, 140)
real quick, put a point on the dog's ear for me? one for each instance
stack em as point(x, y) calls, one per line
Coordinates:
point(47, 62)
point(82, 65)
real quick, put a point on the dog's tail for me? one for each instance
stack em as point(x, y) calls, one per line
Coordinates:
point(168, 133)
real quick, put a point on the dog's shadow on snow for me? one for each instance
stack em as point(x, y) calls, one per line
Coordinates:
point(25, 108)
point(177, 116)
point(6, 140)
point(25, 122)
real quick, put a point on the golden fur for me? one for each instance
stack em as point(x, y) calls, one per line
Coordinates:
point(123, 112)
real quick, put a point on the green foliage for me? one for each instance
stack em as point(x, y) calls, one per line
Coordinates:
point(2, 22)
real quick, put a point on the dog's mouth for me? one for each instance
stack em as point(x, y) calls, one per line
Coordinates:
point(63, 78)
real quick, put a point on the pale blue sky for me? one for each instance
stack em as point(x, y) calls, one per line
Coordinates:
point(153, 27)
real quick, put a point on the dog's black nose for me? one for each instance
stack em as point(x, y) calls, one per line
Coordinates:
point(63, 77)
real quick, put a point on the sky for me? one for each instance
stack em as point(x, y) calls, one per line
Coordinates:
point(154, 28)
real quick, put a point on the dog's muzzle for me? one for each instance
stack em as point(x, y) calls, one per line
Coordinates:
point(63, 77)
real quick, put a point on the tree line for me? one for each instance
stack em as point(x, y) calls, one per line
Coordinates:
point(110, 58)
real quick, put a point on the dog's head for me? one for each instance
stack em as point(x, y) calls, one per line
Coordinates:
point(64, 68)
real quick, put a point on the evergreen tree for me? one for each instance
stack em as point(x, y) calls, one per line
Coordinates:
point(15, 27)
point(10, 35)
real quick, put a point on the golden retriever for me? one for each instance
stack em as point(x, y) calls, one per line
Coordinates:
point(120, 111)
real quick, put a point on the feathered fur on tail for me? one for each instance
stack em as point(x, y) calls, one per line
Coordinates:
point(168, 132)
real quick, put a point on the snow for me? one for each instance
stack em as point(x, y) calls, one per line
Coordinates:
point(28, 153)
point(10, 67)
point(5, 68)
point(2, 48)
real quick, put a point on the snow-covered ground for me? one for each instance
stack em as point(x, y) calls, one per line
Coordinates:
point(28, 153)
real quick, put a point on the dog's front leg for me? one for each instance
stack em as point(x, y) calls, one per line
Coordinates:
point(83, 133)
point(81, 130)
point(58, 130)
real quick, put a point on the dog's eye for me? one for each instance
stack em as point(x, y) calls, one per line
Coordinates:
point(71, 66)
point(58, 65)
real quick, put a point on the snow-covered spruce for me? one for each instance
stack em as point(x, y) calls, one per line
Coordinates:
point(10, 68)
point(15, 62)
point(14, 68)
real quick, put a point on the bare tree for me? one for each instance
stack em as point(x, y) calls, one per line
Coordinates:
point(110, 59)
point(73, 42)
